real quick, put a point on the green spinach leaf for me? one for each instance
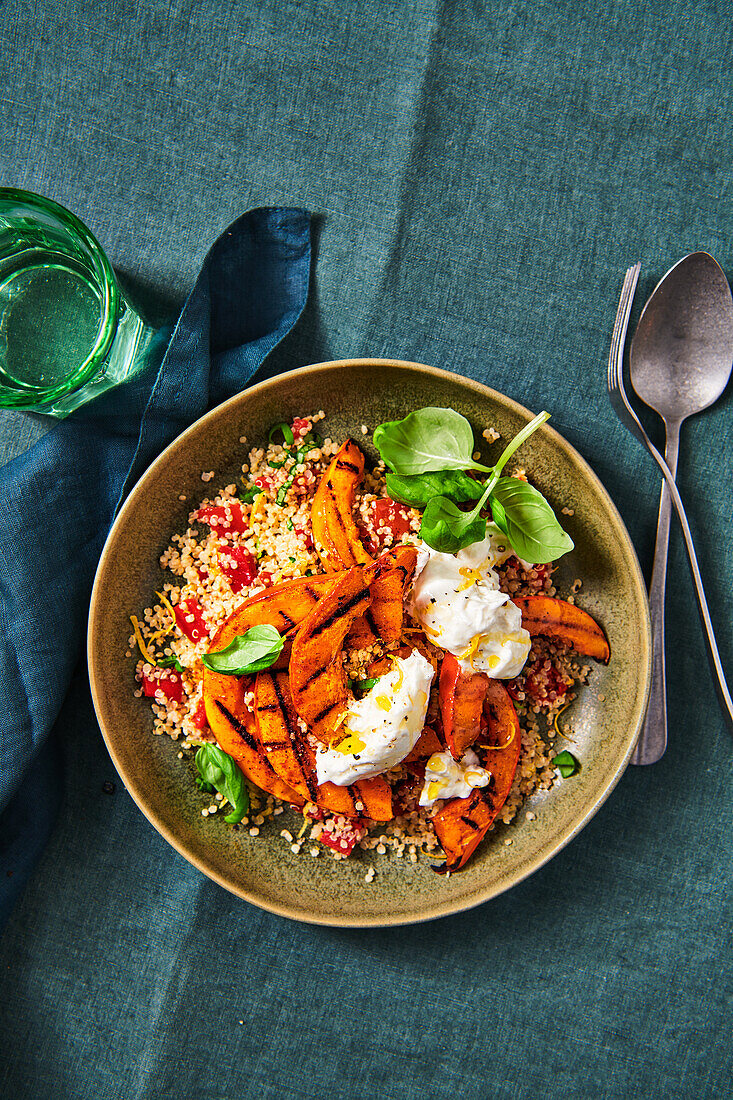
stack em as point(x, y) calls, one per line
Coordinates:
point(258, 648)
point(447, 529)
point(528, 521)
point(219, 770)
point(418, 489)
point(426, 440)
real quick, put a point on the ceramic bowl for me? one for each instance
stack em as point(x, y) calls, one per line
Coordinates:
point(605, 717)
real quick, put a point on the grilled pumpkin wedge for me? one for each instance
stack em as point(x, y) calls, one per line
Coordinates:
point(383, 618)
point(287, 749)
point(463, 822)
point(566, 622)
point(461, 695)
point(317, 677)
point(231, 721)
point(234, 728)
point(334, 531)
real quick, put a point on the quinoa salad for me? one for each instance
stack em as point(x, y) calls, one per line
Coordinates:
point(381, 650)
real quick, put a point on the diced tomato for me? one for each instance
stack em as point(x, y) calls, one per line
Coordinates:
point(343, 840)
point(300, 427)
point(199, 716)
point(223, 517)
point(543, 685)
point(386, 512)
point(263, 482)
point(306, 536)
point(164, 680)
point(264, 577)
point(239, 567)
point(190, 620)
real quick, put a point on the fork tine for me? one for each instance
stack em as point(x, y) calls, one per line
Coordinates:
point(615, 360)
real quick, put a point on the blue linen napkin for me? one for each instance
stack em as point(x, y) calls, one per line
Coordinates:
point(60, 497)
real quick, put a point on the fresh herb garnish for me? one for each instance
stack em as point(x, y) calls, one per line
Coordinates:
point(418, 489)
point(426, 440)
point(219, 771)
point(363, 685)
point(287, 433)
point(429, 452)
point(258, 648)
point(528, 521)
point(248, 494)
point(170, 662)
point(566, 763)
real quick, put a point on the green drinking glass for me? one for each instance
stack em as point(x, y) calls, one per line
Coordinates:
point(67, 333)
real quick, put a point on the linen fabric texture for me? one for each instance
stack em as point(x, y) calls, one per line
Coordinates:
point(482, 172)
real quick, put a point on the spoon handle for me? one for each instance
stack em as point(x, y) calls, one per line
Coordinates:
point(653, 739)
point(716, 665)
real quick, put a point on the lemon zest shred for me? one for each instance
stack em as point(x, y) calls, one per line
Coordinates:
point(168, 606)
point(139, 639)
point(257, 507)
point(306, 821)
point(496, 748)
point(557, 728)
point(470, 652)
point(473, 576)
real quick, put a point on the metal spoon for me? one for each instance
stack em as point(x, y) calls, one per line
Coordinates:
point(681, 358)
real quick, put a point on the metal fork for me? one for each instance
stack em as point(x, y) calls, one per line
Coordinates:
point(650, 750)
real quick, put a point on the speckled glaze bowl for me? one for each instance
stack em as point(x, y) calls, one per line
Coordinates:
point(606, 716)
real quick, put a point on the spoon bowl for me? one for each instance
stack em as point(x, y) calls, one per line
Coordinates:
point(682, 351)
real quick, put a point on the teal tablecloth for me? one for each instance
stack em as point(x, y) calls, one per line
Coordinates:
point(483, 173)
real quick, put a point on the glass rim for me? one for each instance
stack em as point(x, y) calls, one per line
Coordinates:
point(110, 303)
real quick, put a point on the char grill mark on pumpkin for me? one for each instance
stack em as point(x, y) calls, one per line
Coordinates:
point(316, 675)
point(341, 610)
point(344, 464)
point(327, 710)
point(306, 767)
point(237, 725)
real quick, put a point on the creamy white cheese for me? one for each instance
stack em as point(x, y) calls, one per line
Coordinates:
point(449, 778)
point(381, 728)
point(456, 599)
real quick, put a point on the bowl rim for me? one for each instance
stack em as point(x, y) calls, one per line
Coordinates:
point(545, 853)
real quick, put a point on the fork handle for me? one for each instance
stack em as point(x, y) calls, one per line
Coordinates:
point(653, 739)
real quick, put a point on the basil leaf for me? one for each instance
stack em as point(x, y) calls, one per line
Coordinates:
point(363, 685)
point(248, 495)
point(218, 769)
point(418, 489)
point(567, 764)
point(249, 652)
point(447, 529)
point(169, 662)
point(528, 521)
point(426, 440)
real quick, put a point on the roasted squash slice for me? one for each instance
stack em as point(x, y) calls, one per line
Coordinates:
point(282, 606)
point(463, 822)
point(287, 749)
point(231, 721)
point(461, 696)
point(317, 677)
point(334, 531)
point(234, 728)
point(383, 619)
point(566, 622)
